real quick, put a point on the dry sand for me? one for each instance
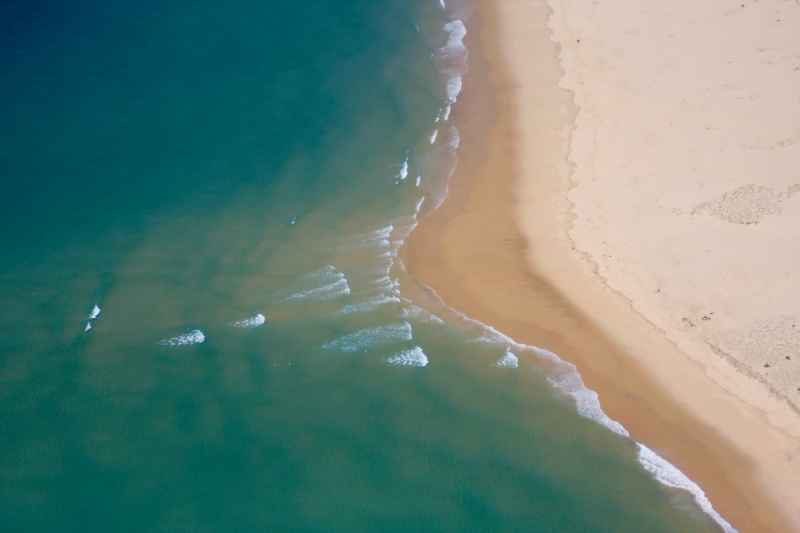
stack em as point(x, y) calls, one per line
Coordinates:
point(630, 168)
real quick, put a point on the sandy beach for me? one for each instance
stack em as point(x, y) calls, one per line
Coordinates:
point(628, 197)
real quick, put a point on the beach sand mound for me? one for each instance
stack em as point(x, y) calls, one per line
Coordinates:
point(745, 205)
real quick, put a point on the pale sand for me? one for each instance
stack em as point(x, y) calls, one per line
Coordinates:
point(562, 225)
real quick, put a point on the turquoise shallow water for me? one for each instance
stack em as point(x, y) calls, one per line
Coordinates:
point(229, 185)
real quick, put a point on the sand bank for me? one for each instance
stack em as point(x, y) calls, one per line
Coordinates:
point(625, 172)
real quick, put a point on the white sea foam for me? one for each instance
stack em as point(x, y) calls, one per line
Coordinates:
point(403, 227)
point(509, 360)
point(413, 357)
point(421, 315)
point(252, 322)
point(95, 313)
point(88, 326)
point(418, 180)
point(441, 2)
point(367, 338)
point(565, 378)
point(453, 60)
point(455, 138)
point(433, 136)
point(326, 292)
point(404, 169)
point(369, 305)
point(446, 113)
point(670, 476)
point(326, 283)
point(454, 86)
point(326, 274)
point(193, 337)
point(370, 239)
point(386, 283)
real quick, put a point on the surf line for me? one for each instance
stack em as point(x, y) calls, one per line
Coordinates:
point(565, 378)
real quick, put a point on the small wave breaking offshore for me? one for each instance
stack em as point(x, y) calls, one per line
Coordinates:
point(413, 357)
point(193, 337)
point(252, 322)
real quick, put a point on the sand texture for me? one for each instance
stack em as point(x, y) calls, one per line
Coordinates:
point(604, 204)
point(687, 170)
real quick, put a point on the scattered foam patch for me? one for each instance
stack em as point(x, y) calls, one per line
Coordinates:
point(386, 283)
point(193, 337)
point(372, 304)
point(491, 341)
point(368, 338)
point(455, 138)
point(564, 376)
point(446, 113)
point(452, 58)
point(93, 315)
point(371, 239)
point(253, 322)
point(454, 86)
point(326, 292)
point(509, 360)
point(433, 137)
point(404, 169)
point(413, 357)
point(421, 315)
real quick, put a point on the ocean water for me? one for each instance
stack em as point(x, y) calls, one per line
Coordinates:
point(204, 324)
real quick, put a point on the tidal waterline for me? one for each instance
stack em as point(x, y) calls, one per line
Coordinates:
point(248, 172)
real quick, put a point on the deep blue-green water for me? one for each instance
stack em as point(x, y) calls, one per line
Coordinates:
point(204, 326)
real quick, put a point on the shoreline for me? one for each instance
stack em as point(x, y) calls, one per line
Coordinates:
point(498, 250)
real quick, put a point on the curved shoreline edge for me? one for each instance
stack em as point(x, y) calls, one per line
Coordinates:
point(480, 251)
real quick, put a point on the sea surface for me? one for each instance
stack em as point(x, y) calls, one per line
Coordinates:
point(205, 324)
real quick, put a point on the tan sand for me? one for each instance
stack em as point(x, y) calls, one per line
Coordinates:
point(674, 172)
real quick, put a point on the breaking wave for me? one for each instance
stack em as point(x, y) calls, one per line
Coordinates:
point(565, 378)
point(193, 337)
point(413, 357)
point(369, 338)
point(252, 322)
point(509, 360)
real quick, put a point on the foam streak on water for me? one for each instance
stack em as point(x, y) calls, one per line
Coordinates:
point(413, 357)
point(193, 337)
point(404, 169)
point(252, 322)
point(366, 240)
point(454, 56)
point(325, 284)
point(92, 316)
point(421, 315)
point(509, 360)
point(371, 337)
point(326, 292)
